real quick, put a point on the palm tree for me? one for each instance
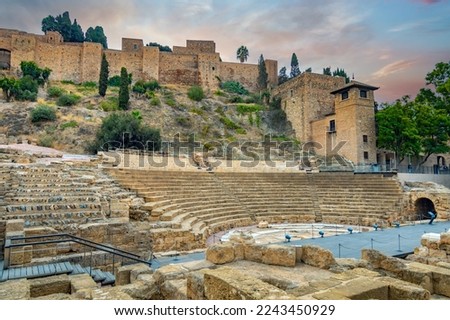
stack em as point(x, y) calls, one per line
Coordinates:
point(242, 54)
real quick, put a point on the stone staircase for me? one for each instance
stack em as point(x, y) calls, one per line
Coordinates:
point(43, 270)
point(185, 200)
point(209, 202)
point(47, 196)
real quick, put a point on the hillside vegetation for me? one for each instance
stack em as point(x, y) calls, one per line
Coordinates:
point(67, 116)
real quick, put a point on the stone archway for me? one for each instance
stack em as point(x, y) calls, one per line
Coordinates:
point(423, 206)
point(5, 59)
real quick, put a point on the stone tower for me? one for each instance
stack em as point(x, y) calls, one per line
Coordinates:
point(354, 122)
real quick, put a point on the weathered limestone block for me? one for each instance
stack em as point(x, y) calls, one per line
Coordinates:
point(15, 290)
point(443, 264)
point(119, 209)
point(169, 272)
point(298, 253)
point(81, 282)
point(430, 240)
point(393, 265)
point(138, 269)
point(55, 296)
point(113, 293)
point(242, 237)
point(415, 273)
point(27, 254)
point(174, 289)
point(195, 285)
point(220, 253)
point(363, 289)
point(239, 253)
point(143, 289)
point(123, 275)
point(402, 290)
point(445, 237)
point(374, 257)
point(263, 224)
point(16, 257)
point(198, 265)
point(14, 225)
point(229, 284)
point(279, 255)
point(318, 257)
point(94, 231)
point(439, 254)
point(50, 285)
point(253, 252)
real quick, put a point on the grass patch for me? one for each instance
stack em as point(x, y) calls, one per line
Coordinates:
point(46, 141)
point(155, 101)
point(110, 104)
point(55, 92)
point(229, 124)
point(198, 111)
point(248, 108)
point(70, 124)
point(196, 93)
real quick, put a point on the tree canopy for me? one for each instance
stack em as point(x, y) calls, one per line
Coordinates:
point(262, 74)
point(72, 32)
point(341, 73)
point(160, 46)
point(295, 69)
point(103, 77)
point(242, 54)
point(419, 127)
point(282, 76)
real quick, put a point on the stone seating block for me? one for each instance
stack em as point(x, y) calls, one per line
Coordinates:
point(279, 255)
point(229, 284)
point(50, 285)
point(81, 282)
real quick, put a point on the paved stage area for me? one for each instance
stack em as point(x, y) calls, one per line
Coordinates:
point(391, 241)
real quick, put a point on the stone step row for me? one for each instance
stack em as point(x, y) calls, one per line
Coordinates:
point(54, 199)
point(52, 207)
point(56, 219)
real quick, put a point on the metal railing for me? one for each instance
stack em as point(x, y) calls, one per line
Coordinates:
point(118, 256)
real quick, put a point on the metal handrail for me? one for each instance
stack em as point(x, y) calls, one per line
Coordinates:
point(72, 238)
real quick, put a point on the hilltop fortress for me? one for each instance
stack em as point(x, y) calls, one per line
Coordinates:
point(197, 63)
point(321, 108)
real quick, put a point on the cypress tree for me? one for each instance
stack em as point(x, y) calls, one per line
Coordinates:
point(124, 94)
point(104, 74)
point(295, 69)
point(262, 74)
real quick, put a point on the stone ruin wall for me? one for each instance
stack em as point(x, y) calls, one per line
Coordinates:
point(307, 98)
point(197, 63)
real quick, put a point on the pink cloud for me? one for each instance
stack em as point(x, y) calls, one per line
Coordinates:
point(392, 68)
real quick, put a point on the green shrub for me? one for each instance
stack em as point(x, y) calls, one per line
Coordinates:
point(123, 130)
point(219, 93)
point(46, 141)
point(198, 111)
point(139, 87)
point(155, 101)
point(170, 102)
point(67, 82)
point(183, 121)
point(89, 84)
point(68, 100)
point(25, 89)
point(70, 124)
point(250, 119)
point(114, 81)
point(110, 104)
point(228, 123)
point(248, 108)
point(236, 99)
point(43, 113)
point(152, 85)
point(233, 87)
point(55, 92)
point(196, 93)
point(241, 131)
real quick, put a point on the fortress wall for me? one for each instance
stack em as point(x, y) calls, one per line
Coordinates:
point(64, 60)
point(244, 73)
point(178, 68)
point(5, 43)
point(150, 63)
point(209, 70)
point(307, 98)
point(114, 58)
point(22, 49)
point(91, 61)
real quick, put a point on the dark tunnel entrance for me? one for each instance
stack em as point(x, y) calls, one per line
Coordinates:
point(423, 207)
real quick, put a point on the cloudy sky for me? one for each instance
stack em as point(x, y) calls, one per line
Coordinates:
point(388, 43)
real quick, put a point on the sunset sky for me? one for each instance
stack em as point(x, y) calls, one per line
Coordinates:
point(387, 43)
